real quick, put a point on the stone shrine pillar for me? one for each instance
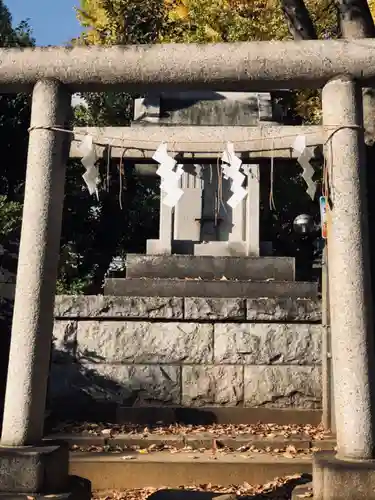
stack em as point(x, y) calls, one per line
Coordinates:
point(192, 227)
point(237, 230)
point(350, 474)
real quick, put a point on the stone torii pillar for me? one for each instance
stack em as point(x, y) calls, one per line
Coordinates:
point(29, 465)
point(351, 473)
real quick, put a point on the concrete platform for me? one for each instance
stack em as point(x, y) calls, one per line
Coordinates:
point(210, 268)
point(120, 471)
point(142, 287)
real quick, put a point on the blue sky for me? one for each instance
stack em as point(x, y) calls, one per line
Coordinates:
point(53, 21)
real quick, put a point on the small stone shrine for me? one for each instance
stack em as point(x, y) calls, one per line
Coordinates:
point(206, 317)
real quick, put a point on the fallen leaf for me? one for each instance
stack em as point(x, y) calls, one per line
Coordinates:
point(106, 432)
point(291, 449)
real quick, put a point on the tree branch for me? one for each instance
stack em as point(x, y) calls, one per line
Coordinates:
point(299, 21)
point(356, 22)
point(355, 19)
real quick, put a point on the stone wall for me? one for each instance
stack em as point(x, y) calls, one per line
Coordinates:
point(193, 352)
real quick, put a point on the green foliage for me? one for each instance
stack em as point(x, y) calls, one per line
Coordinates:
point(121, 22)
point(10, 217)
point(94, 232)
point(14, 121)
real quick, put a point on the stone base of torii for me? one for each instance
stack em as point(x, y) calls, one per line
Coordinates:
point(29, 466)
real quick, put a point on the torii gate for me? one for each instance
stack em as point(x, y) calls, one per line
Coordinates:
point(340, 67)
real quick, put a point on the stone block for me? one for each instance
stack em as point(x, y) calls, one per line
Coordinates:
point(78, 489)
point(212, 385)
point(106, 306)
point(209, 267)
point(284, 309)
point(221, 249)
point(34, 469)
point(213, 108)
point(283, 387)
point(158, 247)
point(201, 308)
point(267, 343)
point(335, 479)
point(64, 341)
point(123, 384)
point(144, 342)
point(204, 288)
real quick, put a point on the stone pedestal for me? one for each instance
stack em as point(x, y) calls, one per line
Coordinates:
point(336, 479)
point(39, 472)
point(210, 268)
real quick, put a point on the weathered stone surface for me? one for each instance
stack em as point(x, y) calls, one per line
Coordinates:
point(33, 469)
point(267, 343)
point(283, 386)
point(284, 309)
point(144, 342)
point(212, 385)
point(106, 306)
point(124, 384)
point(209, 267)
point(206, 308)
point(64, 341)
point(205, 288)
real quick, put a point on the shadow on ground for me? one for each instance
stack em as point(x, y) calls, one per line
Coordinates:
point(276, 492)
point(79, 393)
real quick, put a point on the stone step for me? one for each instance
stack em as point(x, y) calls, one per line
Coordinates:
point(194, 441)
point(151, 416)
point(210, 268)
point(121, 471)
point(143, 287)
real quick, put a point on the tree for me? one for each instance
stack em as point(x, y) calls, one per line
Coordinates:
point(14, 122)
point(118, 22)
point(202, 21)
point(96, 231)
